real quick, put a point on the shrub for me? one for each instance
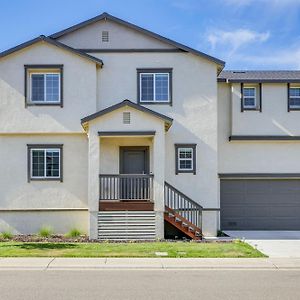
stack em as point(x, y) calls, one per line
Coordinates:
point(74, 233)
point(45, 231)
point(7, 235)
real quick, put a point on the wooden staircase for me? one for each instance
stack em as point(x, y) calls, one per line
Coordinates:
point(182, 212)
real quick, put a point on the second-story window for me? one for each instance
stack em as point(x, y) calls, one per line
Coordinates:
point(43, 84)
point(294, 97)
point(154, 86)
point(249, 98)
point(44, 87)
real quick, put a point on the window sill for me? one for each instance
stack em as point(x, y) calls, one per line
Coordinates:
point(45, 179)
point(251, 109)
point(44, 104)
point(186, 172)
point(154, 103)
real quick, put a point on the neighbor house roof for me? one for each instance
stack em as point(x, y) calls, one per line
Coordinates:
point(52, 42)
point(137, 28)
point(168, 121)
point(259, 76)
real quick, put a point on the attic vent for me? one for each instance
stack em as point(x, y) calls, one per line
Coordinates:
point(105, 36)
point(126, 117)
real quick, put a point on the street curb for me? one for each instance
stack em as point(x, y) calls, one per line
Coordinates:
point(55, 264)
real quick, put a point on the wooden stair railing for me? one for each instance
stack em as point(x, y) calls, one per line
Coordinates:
point(182, 212)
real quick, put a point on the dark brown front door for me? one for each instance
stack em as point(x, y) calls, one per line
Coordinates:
point(134, 160)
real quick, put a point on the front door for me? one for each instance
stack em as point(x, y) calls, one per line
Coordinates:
point(133, 161)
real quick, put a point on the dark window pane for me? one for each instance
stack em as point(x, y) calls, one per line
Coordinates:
point(52, 87)
point(185, 164)
point(52, 163)
point(37, 160)
point(249, 101)
point(295, 92)
point(161, 87)
point(37, 87)
point(147, 87)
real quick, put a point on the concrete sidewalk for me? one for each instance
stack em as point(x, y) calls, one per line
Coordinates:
point(147, 263)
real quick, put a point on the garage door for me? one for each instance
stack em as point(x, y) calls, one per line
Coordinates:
point(253, 204)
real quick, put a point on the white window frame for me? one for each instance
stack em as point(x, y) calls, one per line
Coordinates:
point(154, 87)
point(248, 97)
point(45, 90)
point(45, 163)
point(180, 159)
point(293, 97)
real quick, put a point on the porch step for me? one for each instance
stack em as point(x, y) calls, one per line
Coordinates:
point(126, 225)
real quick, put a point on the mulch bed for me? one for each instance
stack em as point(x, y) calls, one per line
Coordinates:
point(30, 238)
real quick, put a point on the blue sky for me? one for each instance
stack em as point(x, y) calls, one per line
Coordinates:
point(247, 34)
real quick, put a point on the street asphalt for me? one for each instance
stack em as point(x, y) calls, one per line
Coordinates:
point(229, 284)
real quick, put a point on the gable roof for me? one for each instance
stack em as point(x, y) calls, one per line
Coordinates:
point(52, 42)
point(126, 102)
point(106, 16)
point(259, 76)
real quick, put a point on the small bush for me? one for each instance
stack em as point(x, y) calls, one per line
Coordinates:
point(7, 235)
point(45, 231)
point(73, 233)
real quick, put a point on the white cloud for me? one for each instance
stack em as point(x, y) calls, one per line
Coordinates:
point(236, 38)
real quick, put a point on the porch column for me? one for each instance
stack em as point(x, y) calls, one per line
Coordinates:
point(93, 182)
point(159, 180)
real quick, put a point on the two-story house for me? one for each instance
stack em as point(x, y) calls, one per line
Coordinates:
point(125, 134)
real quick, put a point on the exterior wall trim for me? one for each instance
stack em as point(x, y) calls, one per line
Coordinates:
point(126, 133)
point(145, 50)
point(258, 80)
point(42, 146)
point(41, 209)
point(258, 175)
point(264, 138)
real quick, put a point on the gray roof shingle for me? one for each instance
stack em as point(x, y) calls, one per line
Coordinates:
point(259, 76)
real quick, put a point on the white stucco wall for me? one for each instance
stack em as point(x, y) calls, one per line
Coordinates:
point(17, 192)
point(90, 37)
point(274, 118)
point(79, 91)
point(30, 222)
point(257, 156)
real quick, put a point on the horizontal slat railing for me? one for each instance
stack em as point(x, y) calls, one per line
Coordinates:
point(183, 205)
point(126, 186)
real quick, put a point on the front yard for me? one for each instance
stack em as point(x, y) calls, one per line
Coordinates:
point(149, 249)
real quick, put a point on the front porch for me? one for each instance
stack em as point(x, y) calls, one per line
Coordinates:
point(126, 192)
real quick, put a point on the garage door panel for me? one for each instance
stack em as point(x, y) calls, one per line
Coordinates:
point(236, 187)
point(260, 204)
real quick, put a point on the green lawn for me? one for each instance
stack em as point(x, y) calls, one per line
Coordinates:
point(175, 249)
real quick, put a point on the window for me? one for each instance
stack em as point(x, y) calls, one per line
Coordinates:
point(185, 158)
point(43, 84)
point(105, 36)
point(294, 97)
point(249, 97)
point(44, 87)
point(154, 86)
point(44, 162)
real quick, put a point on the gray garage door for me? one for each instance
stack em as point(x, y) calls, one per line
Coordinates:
point(250, 204)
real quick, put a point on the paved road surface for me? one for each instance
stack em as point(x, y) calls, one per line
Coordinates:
point(150, 284)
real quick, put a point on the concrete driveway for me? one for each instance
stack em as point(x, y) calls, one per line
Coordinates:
point(271, 243)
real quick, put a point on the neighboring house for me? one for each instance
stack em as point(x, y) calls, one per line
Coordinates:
point(124, 134)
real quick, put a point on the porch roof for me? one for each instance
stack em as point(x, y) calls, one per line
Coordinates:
point(168, 121)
